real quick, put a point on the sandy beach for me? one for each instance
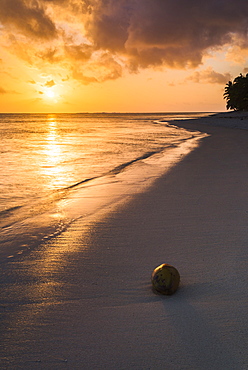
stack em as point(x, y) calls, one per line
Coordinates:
point(83, 300)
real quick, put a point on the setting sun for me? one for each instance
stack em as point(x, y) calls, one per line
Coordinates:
point(50, 94)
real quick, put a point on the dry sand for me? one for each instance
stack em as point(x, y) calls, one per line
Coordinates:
point(85, 298)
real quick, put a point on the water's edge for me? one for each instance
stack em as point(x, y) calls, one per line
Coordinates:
point(88, 199)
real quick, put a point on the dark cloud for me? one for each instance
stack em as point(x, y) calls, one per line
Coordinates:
point(108, 26)
point(175, 33)
point(133, 33)
point(28, 17)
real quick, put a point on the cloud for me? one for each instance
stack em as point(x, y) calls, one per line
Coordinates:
point(237, 54)
point(67, 78)
point(133, 34)
point(50, 55)
point(81, 52)
point(86, 80)
point(29, 17)
point(2, 91)
point(162, 32)
point(104, 69)
point(50, 83)
point(210, 76)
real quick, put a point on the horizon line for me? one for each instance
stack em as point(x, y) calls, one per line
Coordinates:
point(116, 112)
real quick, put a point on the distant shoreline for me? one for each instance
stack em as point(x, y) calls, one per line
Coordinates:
point(237, 120)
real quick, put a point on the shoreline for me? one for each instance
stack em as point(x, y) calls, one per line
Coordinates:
point(84, 299)
point(47, 218)
point(231, 120)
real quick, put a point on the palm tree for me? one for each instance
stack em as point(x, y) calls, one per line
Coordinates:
point(228, 95)
point(236, 93)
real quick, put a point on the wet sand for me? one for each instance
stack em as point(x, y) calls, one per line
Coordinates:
point(83, 300)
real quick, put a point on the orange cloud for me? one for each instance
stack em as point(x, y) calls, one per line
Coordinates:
point(82, 52)
point(50, 55)
point(210, 76)
point(95, 40)
point(2, 91)
point(50, 83)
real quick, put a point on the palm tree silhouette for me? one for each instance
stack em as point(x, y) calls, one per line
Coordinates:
point(236, 93)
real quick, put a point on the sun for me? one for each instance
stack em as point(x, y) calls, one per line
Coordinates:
point(50, 94)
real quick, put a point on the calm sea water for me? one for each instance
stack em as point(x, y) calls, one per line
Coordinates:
point(42, 154)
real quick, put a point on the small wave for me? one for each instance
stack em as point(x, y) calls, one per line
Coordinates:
point(156, 122)
point(122, 166)
point(44, 203)
point(114, 171)
point(80, 183)
point(8, 211)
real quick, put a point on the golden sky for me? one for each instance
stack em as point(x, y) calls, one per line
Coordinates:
point(120, 55)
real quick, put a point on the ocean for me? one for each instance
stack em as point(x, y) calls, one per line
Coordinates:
point(58, 167)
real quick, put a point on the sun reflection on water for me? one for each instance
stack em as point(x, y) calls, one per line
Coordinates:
point(52, 147)
point(53, 157)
